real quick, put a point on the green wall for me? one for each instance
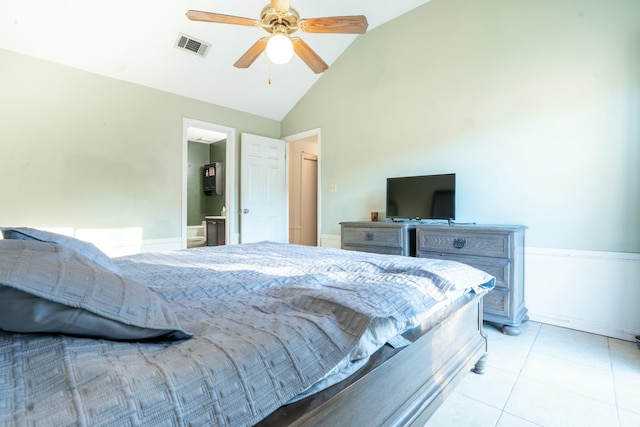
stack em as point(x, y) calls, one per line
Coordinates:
point(535, 106)
point(81, 151)
point(200, 204)
point(198, 155)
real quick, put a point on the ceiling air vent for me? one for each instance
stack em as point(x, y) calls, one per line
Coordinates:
point(192, 45)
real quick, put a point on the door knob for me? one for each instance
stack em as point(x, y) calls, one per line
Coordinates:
point(245, 211)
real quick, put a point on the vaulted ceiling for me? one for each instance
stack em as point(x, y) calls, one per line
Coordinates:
point(135, 41)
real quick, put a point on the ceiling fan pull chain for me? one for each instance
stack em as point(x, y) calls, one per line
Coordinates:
point(269, 80)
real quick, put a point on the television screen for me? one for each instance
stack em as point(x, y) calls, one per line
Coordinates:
point(422, 197)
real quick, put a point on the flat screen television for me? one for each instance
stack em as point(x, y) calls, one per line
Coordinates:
point(422, 197)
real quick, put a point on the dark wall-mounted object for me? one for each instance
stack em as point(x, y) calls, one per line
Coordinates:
point(213, 176)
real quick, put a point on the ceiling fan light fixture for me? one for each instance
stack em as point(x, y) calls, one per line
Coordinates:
point(280, 20)
point(279, 48)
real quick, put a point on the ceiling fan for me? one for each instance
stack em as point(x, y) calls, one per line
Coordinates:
point(280, 20)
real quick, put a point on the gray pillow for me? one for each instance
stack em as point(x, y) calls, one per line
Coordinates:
point(48, 288)
point(86, 249)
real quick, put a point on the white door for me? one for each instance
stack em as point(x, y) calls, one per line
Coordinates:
point(263, 189)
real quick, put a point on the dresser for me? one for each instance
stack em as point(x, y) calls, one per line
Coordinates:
point(391, 238)
point(496, 249)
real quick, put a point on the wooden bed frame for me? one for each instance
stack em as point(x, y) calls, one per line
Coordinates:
point(402, 387)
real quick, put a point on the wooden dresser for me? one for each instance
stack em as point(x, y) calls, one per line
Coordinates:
point(391, 238)
point(496, 249)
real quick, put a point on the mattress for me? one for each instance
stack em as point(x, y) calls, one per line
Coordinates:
point(268, 321)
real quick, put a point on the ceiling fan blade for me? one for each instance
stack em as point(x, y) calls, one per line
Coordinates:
point(335, 24)
point(280, 5)
point(309, 57)
point(197, 15)
point(252, 54)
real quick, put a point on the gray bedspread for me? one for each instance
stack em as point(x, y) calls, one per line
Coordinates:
point(269, 320)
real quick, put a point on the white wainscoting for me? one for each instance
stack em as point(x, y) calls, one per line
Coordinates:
point(590, 291)
point(330, 241)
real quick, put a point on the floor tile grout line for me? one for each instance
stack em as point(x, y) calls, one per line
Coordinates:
point(608, 371)
point(535, 336)
point(613, 378)
point(506, 401)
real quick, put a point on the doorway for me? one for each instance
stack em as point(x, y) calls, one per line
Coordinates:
point(232, 235)
point(303, 183)
point(209, 133)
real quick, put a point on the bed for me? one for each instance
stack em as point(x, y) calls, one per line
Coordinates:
point(261, 334)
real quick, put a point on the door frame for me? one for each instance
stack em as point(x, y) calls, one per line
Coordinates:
point(304, 135)
point(230, 178)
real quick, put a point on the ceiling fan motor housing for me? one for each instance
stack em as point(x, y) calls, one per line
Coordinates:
point(282, 22)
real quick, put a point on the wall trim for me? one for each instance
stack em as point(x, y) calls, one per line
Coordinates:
point(330, 240)
point(584, 326)
point(581, 253)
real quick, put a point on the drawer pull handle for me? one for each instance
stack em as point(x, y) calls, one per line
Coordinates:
point(459, 242)
point(368, 236)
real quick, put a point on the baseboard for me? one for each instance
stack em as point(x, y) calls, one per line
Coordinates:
point(584, 326)
point(330, 241)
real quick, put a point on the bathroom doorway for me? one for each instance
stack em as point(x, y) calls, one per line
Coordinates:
point(205, 143)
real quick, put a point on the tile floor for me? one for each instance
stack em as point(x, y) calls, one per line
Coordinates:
point(548, 376)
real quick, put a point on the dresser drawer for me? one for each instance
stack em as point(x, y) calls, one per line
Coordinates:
point(451, 241)
point(495, 249)
point(370, 236)
point(497, 267)
point(496, 303)
point(385, 250)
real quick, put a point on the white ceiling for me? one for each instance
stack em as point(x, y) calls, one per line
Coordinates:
point(133, 40)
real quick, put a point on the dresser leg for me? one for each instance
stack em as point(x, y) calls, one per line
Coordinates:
point(511, 329)
point(481, 365)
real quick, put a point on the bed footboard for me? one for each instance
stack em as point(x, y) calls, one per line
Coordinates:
point(406, 389)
